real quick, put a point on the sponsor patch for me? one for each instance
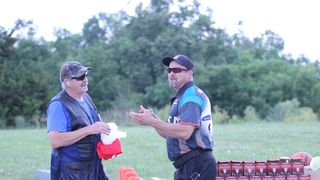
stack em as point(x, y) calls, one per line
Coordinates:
point(206, 118)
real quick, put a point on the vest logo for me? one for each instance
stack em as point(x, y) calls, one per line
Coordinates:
point(173, 120)
point(206, 118)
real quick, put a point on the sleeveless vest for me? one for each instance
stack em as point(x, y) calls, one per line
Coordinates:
point(79, 118)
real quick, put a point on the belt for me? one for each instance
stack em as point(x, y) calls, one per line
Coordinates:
point(190, 155)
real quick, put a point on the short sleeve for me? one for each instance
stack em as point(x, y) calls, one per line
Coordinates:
point(57, 117)
point(190, 113)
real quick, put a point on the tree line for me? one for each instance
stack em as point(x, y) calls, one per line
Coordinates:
point(125, 53)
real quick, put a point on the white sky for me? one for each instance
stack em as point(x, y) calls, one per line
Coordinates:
point(295, 21)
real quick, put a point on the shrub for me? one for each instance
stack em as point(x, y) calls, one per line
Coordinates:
point(250, 115)
point(290, 111)
point(20, 122)
point(220, 116)
point(119, 111)
point(305, 114)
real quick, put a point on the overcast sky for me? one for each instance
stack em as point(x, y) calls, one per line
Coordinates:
point(295, 21)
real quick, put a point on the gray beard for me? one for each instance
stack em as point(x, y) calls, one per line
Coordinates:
point(173, 85)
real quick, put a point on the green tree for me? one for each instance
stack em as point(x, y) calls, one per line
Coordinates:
point(23, 77)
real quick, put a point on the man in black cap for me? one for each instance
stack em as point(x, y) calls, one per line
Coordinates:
point(188, 130)
point(74, 128)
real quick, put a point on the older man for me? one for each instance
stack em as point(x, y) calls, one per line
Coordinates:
point(74, 128)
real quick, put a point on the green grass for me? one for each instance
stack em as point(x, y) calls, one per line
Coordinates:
point(24, 151)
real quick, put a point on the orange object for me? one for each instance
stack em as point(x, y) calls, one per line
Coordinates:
point(127, 173)
point(134, 178)
point(304, 156)
point(123, 170)
point(120, 171)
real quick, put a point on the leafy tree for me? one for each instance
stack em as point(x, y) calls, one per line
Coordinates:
point(125, 52)
point(268, 46)
point(23, 79)
point(104, 83)
point(92, 32)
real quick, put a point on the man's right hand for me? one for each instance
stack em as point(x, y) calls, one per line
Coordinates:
point(99, 127)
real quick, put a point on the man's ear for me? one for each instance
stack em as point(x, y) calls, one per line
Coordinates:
point(67, 83)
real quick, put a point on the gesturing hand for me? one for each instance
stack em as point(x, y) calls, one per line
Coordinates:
point(143, 117)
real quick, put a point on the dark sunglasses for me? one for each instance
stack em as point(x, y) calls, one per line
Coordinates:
point(176, 70)
point(80, 78)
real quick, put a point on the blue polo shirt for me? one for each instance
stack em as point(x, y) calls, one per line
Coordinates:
point(190, 106)
point(59, 119)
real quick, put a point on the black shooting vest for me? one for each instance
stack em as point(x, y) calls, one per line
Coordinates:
point(64, 160)
point(79, 119)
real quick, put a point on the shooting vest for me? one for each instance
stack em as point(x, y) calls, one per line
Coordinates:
point(79, 118)
point(82, 154)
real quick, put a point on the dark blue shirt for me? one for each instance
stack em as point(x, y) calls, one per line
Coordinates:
point(190, 106)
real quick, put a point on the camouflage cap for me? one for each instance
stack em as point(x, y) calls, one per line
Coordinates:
point(72, 69)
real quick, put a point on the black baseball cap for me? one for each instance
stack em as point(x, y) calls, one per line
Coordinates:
point(181, 59)
point(72, 69)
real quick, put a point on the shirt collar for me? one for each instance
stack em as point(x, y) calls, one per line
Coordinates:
point(183, 88)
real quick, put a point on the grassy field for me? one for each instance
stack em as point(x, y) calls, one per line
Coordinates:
point(24, 151)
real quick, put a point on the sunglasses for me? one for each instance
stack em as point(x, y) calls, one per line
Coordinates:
point(80, 78)
point(176, 70)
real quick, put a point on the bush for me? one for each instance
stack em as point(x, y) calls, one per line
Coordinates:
point(305, 114)
point(20, 122)
point(290, 111)
point(250, 115)
point(119, 111)
point(220, 116)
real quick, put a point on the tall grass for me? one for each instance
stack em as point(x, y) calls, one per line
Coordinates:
point(25, 150)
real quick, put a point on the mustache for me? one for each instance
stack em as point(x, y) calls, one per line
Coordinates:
point(85, 84)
